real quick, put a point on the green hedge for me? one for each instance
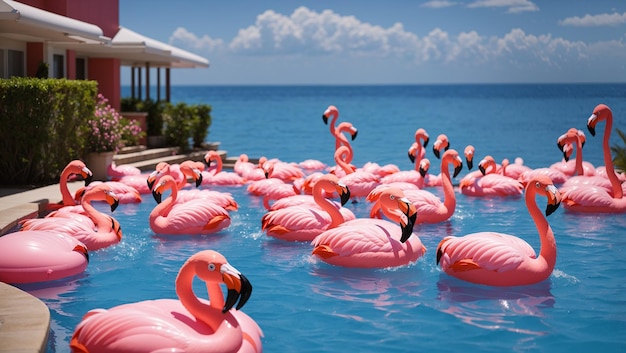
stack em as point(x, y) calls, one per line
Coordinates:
point(182, 124)
point(42, 127)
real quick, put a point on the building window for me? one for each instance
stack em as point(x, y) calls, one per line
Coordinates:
point(58, 68)
point(81, 69)
point(15, 63)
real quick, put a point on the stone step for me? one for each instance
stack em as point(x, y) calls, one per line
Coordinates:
point(150, 164)
point(132, 149)
point(147, 154)
point(147, 159)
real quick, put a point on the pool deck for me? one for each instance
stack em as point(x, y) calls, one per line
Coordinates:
point(24, 319)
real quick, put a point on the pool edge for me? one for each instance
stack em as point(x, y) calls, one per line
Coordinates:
point(24, 321)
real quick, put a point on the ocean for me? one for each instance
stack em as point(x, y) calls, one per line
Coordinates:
point(304, 305)
point(505, 121)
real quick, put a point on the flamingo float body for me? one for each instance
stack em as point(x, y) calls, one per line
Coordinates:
point(373, 243)
point(219, 176)
point(305, 222)
point(93, 228)
point(498, 259)
point(591, 198)
point(189, 324)
point(192, 217)
point(39, 256)
point(124, 192)
point(490, 183)
point(431, 209)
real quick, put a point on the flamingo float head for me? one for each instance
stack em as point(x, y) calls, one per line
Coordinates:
point(160, 169)
point(601, 112)
point(486, 163)
point(394, 204)
point(212, 267)
point(79, 167)
point(330, 111)
point(543, 186)
point(193, 169)
point(565, 141)
point(165, 183)
point(469, 156)
point(441, 143)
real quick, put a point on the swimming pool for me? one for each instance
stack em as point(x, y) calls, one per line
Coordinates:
point(305, 305)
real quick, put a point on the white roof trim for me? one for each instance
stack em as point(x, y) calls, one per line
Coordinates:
point(176, 57)
point(40, 22)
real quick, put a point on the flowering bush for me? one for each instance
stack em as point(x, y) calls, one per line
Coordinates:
point(109, 131)
point(131, 132)
point(105, 128)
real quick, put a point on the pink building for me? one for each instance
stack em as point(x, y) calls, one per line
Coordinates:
point(82, 39)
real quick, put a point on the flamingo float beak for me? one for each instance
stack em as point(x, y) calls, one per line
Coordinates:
point(436, 151)
point(152, 179)
point(424, 167)
point(157, 196)
point(199, 179)
point(554, 199)
point(112, 200)
point(457, 169)
point(325, 118)
point(470, 162)
point(239, 288)
point(87, 176)
point(411, 216)
point(591, 124)
point(344, 193)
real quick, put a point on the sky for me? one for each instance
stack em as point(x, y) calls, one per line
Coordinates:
point(253, 42)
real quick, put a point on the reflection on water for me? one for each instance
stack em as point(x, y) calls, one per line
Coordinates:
point(495, 308)
point(57, 295)
point(381, 288)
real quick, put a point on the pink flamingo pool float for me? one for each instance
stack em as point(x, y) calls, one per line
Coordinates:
point(187, 324)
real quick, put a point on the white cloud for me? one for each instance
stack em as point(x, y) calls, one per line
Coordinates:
point(190, 40)
point(614, 19)
point(437, 4)
point(514, 6)
point(313, 33)
point(307, 34)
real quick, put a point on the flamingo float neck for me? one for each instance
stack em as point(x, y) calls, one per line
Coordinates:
point(602, 112)
point(329, 185)
point(160, 212)
point(449, 200)
point(74, 167)
point(333, 112)
point(547, 252)
point(572, 137)
point(103, 222)
point(211, 314)
point(342, 154)
point(214, 156)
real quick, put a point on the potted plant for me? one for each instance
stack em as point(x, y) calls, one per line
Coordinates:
point(106, 131)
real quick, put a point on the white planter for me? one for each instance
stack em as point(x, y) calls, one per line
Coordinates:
point(98, 163)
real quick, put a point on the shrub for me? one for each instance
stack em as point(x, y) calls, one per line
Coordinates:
point(105, 128)
point(200, 124)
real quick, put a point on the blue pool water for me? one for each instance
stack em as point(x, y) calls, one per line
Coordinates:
point(304, 305)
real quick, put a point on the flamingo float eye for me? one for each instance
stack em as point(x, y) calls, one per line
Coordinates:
point(211, 267)
point(537, 185)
